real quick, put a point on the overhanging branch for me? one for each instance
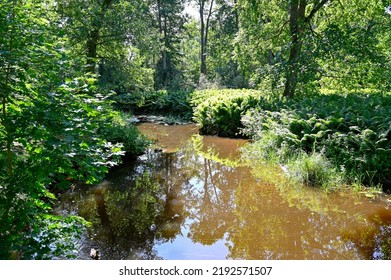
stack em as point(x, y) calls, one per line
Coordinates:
point(316, 9)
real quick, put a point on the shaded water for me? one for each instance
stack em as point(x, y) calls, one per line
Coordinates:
point(192, 198)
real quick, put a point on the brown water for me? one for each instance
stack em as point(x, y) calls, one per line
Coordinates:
point(191, 197)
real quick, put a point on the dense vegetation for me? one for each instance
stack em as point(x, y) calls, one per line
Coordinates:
point(316, 101)
point(327, 139)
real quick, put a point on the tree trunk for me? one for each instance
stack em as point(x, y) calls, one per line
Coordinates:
point(163, 32)
point(91, 51)
point(204, 33)
point(292, 69)
point(296, 26)
point(236, 15)
point(92, 42)
point(203, 50)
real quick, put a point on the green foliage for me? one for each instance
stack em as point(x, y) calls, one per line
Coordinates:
point(222, 64)
point(115, 38)
point(58, 125)
point(53, 237)
point(219, 112)
point(28, 229)
point(126, 72)
point(52, 120)
point(51, 147)
point(315, 170)
point(190, 49)
point(261, 41)
point(162, 102)
point(343, 44)
point(170, 20)
point(352, 51)
point(124, 132)
point(68, 141)
point(352, 131)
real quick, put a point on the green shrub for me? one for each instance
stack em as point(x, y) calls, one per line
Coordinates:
point(352, 131)
point(124, 132)
point(162, 102)
point(219, 112)
point(56, 140)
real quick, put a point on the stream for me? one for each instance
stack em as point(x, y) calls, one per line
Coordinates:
point(191, 197)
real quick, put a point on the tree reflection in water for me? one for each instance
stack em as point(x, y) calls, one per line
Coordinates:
point(200, 192)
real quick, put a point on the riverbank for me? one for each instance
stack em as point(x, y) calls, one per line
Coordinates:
point(324, 139)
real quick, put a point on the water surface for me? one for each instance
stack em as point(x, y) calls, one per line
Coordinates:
point(191, 197)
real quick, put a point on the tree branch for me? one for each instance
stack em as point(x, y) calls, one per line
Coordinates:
point(316, 9)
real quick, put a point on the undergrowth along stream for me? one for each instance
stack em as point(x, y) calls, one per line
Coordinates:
point(323, 139)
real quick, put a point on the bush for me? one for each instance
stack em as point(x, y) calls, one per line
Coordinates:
point(175, 103)
point(124, 132)
point(352, 131)
point(56, 141)
point(219, 112)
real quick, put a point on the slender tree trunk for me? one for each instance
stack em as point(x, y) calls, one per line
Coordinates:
point(292, 69)
point(6, 125)
point(296, 25)
point(91, 51)
point(92, 42)
point(207, 32)
point(236, 15)
point(204, 33)
point(203, 50)
point(164, 53)
point(163, 32)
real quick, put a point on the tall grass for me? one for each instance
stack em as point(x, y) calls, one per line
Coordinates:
point(315, 170)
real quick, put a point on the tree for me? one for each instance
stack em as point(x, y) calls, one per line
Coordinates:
point(299, 20)
point(8, 30)
point(170, 20)
point(51, 124)
point(190, 62)
point(224, 27)
point(205, 8)
point(302, 45)
point(103, 28)
point(261, 40)
point(353, 46)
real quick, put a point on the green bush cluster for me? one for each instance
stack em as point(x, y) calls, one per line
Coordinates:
point(57, 140)
point(219, 112)
point(124, 132)
point(162, 102)
point(353, 132)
